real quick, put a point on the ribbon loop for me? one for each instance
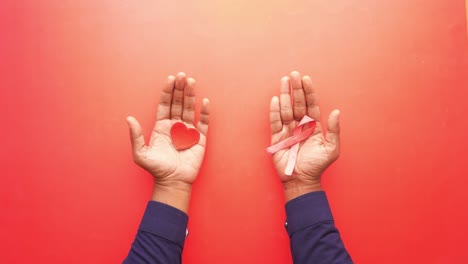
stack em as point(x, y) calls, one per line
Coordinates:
point(300, 133)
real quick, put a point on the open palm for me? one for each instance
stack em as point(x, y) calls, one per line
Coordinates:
point(159, 157)
point(318, 151)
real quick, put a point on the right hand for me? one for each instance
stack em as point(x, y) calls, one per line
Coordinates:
point(317, 152)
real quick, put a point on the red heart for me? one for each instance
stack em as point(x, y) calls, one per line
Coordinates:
point(184, 137)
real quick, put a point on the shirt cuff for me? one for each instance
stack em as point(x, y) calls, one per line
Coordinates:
point(165, 221)
point(307, 210)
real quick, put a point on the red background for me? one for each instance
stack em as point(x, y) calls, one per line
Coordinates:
point(71, 71)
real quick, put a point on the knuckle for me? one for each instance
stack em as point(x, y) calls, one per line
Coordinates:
point(286, 107)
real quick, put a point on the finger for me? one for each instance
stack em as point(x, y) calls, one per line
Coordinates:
point(312, 103)
point(285, 102)
point(164, 107)
point(188, 112)
point(311, 98)
point(204, 117)
point(275, 116)
point(136, 134)
point(299, 104)
point(333, 125)
point(178, 96)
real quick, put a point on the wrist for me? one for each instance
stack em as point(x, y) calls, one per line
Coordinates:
point(293, 189)
point(174, 194)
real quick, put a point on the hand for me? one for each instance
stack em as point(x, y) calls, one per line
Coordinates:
point(173, 171)
point(318, 151)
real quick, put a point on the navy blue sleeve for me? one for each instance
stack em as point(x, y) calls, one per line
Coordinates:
point(312, 232)
point(160, 237)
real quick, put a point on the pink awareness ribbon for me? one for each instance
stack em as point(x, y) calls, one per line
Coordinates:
point(302, 132)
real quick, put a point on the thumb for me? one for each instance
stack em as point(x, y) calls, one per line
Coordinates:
point(136, 135)
point(333, 127)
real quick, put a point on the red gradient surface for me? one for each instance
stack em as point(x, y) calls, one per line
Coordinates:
point(71, 71)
